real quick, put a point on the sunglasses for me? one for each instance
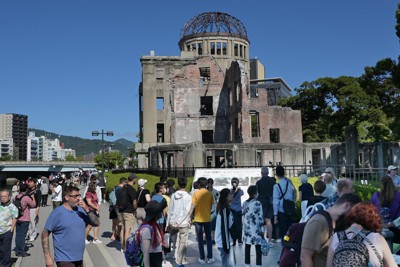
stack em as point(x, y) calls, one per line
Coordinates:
point(75, 196)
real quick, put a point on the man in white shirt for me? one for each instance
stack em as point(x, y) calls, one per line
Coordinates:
point(178, 219)
point(56, 195)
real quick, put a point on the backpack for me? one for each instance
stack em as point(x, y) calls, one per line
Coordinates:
point(351, 252)
point(133, 252)
point(18, 203)
point(112, 197)
point(291, 246)
point(122, 197)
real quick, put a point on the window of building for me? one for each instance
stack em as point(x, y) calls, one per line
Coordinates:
point(187, 47)
point(194, 47)
point(160, 132)
point(207, 136)
point(159, 73)
point(219, 48)
point(274, 136)
point(361, 158)
point(200, 48)
point(224, 46)
point(160, 103)
point(241, 50)
point(236, 50)
point(205, 73)
point(255, 125)
point(212, 48)
point(206, 105)
point(244, 51)
point(253, 92)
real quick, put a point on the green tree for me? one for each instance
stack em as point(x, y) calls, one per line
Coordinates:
point(70, 158)
point(6, 158)
point(329, 105)
point(111, 160)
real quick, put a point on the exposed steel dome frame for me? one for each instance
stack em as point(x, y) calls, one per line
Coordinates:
point(213, 23)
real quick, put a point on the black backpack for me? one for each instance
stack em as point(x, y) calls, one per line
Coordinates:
point(122, 197)
point(18, 203)
point(291, 246)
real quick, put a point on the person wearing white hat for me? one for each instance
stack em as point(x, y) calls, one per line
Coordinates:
point(143, 197)
point(392, 172)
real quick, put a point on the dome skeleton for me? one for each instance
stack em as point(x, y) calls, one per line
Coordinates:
point(213, 22)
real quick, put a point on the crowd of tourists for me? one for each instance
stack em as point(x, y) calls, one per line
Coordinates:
point(339, 230)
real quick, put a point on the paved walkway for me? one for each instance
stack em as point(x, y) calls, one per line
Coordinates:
point(108, 253)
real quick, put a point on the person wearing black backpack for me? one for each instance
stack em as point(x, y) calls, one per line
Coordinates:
point(127, 206)
point(283, 191)
point(22, 226)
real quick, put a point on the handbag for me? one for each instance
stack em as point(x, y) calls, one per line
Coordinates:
point(288, 206)
point(93, 218)
point(264, 247)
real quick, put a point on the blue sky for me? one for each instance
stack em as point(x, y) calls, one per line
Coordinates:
point(73, 66)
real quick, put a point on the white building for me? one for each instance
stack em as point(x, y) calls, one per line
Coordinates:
point(45, 149)
point(6, 147)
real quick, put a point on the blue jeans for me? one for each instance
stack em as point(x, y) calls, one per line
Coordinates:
point(199, 231)
point(224, 257)
point(20, 233)
point(5, 246)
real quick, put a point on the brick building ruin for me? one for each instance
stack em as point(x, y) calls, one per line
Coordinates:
point(212, 106)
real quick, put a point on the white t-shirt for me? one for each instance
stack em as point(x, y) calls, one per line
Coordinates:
point(57, 194)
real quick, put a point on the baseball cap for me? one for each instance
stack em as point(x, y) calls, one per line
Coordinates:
point(142, 182)
point(392, 167)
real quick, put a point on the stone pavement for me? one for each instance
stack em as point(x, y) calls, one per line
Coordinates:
point(108, 253)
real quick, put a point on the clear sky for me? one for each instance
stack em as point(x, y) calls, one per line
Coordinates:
point(73, 66)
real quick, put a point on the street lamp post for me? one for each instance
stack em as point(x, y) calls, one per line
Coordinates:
point(102, 133)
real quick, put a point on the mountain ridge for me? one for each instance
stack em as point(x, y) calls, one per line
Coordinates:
point(83, 146)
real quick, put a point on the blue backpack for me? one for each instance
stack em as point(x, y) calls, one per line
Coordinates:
point(133, 252)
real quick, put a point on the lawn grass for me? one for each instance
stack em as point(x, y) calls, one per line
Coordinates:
point(113, 180)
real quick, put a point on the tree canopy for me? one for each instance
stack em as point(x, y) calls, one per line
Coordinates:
point(369, 102)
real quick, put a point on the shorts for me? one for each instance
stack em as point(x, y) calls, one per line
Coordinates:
point(268, 211)
point(113, 213)
point(128, 220)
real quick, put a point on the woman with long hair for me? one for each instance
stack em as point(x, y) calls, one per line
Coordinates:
point(387, 201)
point(151, 236)
point(223, 225)
point(367, 247)
point(93, 204)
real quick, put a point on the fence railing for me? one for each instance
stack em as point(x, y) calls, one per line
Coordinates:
point(361, 175)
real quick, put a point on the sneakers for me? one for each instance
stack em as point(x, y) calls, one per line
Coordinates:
point(184, 261)
point(96, 241)
point(87, 242)
point(209, 261)
point(202, 261)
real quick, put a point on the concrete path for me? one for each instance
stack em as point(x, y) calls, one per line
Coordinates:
point(108, 253)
